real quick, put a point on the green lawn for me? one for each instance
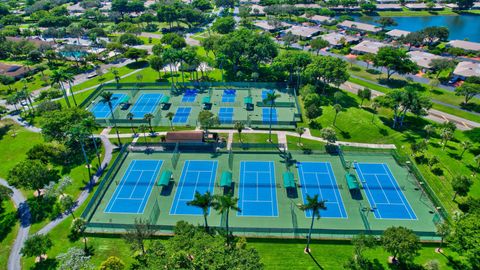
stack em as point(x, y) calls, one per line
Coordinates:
point(7, 242)
point(254, 138)
point(13, 149)
point(306, 144)
point(409, 13)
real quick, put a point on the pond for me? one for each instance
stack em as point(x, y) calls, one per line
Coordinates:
point(461, 26)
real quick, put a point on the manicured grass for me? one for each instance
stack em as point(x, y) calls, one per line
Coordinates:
point(128, 130)
point(409, 13)
point(33, 83)
point(306, 144)
point(254, 138)
point(13, 149)
point(288, 254)
point(438, 94)
point(7, 242)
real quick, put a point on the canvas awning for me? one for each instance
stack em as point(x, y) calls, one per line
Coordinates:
point(206, 100)
point(165, 178)
point(125, 99)
point(247, 100)
point(226, 180)
point(352, 182)
point(288, 181)
point(165, 99)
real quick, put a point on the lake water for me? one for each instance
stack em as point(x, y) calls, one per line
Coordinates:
point(461, 27)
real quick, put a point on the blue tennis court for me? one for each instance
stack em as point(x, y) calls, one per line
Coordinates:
point(189, 95)
point(229, 95)
point(101, 110)
point(147, 103)
point(257, 195)
point(225, 115)
point(182, 114)
point(197, 175)
point(266, 115)
point(318, 178)
point(133, 191)
point(384, 195)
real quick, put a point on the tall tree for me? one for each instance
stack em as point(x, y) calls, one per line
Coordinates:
point(402, 243)
point(90, 125)
point(130, 118)
point(31, 174)
point(461, 184)
point(270, 100)
point(318, 44)
point(394, 61)
point(328, 70)
point(107, 97)
point(204, 202)
point(170, 116)
point(157, 64)
point(338, 108)
point(468, 90)
point(58, 77)
point(36, 246)
point(364, 94)
point(312, 205)
point(223, 204)
point(239, 126)
point(207, 120)
point(148, 118)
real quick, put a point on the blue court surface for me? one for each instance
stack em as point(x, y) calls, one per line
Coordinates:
point(101, 110)
point(229, 95)
point(189, 95)
point(133, 191)
point(182, 114)
point(147, 103)
point(266, 115)
point(225, 115)
point(383, 193)
point(257, 195)
point(318, 178)
point(265, 92)
point(197, 175)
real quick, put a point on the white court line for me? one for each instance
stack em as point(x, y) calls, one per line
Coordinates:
point(335, 190)
point(148, 191)
point(370, 198)
point(399, 193)
point(119, 188)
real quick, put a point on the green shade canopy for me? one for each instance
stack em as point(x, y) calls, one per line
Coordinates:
point(288, 181)
point(247, 100)
point(206, 99)
point(351, 181)
point(226, 180)
point(165, 99)
point(125, 99)
point(165, 178)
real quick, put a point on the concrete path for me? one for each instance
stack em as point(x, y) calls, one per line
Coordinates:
point(230, 140)
point(23, 123)
point(433, 115)
point(22, 235)
point(87, 189)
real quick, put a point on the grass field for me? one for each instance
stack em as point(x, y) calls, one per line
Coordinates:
point(7, 242)
point(13, 149)
point(292, 144)
point(254, 138)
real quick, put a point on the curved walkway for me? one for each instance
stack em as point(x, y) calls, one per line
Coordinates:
point(24, 213)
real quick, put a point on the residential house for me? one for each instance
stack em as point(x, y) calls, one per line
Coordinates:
point(15, 71)
point(318, 19)
point(465, 45)
point(257, 10)
point(337, 40)
point(367, 46)
point(423, 59)
point(365, 27)
point(397, 33)
point(304, 32)
point(270, 27)
point(423, 6)
point(389, 7)
point(467, 69)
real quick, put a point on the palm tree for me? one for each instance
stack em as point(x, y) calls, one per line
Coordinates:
point(116, 76)
point(223, 204)
point(313, 205)
point(148, 117)
point(58, 78)
point(130, 118)
point(375, 106)
point(143, 128)
point(338, 108)
point(70, 79)
point(203, 202)
point(477, 159)
point(107, 97)
point(239, 126)
point(270, 99)
point(170, 116)
point(300, 131)
point(89, 124)
point(466, 145)
point(429, 129)
point(78, 133)
point(447, 134)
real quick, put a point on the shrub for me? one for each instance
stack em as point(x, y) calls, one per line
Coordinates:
point(48, 106)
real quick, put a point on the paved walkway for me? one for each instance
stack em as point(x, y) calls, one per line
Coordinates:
point(22, 235)
point(434, 115)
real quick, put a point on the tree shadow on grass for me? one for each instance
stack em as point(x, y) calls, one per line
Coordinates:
point(4, 130)
point(393, 83)
point(138, 64)
point(315, 261)
point(47, 264)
